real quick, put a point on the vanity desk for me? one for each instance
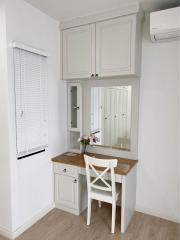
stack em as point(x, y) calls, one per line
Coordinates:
point(71, 186)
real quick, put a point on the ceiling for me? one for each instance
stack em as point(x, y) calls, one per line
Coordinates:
point(67, 9)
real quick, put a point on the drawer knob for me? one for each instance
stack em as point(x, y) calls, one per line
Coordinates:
point(64, 170)
point(75, 181)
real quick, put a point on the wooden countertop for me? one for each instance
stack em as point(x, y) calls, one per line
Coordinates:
point(123, 168)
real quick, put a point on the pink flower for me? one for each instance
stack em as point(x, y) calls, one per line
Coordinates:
point(85, 137)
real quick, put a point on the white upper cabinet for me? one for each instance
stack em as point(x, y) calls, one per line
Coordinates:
point(115, 49)
point(79, 52)
point(105, 45)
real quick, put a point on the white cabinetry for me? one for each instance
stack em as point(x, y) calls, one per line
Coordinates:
point(78, 52)
point(106, 45)
point(66, 191)
point(66, 187)
point(115, 47)
point(74, 115)
point(74, 106)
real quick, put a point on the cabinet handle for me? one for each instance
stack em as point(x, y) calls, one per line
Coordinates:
point(96, 75)
point(75, 181)
point(92, 75)
point(74, 107)
point(64, 170)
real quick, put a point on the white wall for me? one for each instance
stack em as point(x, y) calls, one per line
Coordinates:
point(5, 194)
point(179, 127)
point(32, 178)
point(157, 183)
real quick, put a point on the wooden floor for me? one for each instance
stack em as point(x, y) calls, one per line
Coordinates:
point(59, 225)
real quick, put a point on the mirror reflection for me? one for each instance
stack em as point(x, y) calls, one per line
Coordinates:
point(111, 116)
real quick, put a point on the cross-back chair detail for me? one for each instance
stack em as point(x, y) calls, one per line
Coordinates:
point(100, 177)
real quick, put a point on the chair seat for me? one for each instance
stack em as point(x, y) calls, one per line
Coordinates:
point(104, 196)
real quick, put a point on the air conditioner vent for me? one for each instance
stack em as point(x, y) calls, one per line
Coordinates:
point(165, 24)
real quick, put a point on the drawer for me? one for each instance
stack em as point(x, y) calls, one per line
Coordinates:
point(65, 169)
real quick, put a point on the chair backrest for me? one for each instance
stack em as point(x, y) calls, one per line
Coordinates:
point(109, 165)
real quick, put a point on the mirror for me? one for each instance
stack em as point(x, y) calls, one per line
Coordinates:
point(111, 116)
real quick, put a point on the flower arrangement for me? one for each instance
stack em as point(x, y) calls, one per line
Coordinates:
point(87, 140)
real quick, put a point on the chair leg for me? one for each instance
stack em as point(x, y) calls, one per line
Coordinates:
point(99, 204)
point(113, 217)
point(89, 212)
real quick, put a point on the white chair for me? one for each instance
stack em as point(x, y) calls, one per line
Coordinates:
point(99, 188)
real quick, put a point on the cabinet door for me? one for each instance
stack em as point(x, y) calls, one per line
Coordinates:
point(79, 52)
point(74, 107)
point(114, 46)
point(66, 191)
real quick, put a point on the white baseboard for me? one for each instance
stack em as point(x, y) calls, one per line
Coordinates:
point(156, 214)
point(6, 233)
point(28, 224)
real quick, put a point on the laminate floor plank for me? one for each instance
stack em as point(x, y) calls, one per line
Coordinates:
point(60, 225)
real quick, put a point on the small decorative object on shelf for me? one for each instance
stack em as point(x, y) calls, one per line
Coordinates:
point(87, 140)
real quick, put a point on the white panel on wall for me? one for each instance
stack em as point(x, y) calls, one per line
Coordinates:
point(31, 101)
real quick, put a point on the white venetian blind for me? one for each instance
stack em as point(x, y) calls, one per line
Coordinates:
point(31, 101)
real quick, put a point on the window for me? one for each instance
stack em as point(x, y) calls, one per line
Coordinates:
point(30, 70)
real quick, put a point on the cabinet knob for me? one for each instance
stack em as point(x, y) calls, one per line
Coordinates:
point(75, 107)
point(75, 181)
point(92, 75)
point(96, 75)
point(64, 170)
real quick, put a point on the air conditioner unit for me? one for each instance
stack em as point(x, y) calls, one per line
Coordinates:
point(165, 24)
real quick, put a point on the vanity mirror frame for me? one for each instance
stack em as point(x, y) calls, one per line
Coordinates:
point(107, 150)
point(118, 93)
